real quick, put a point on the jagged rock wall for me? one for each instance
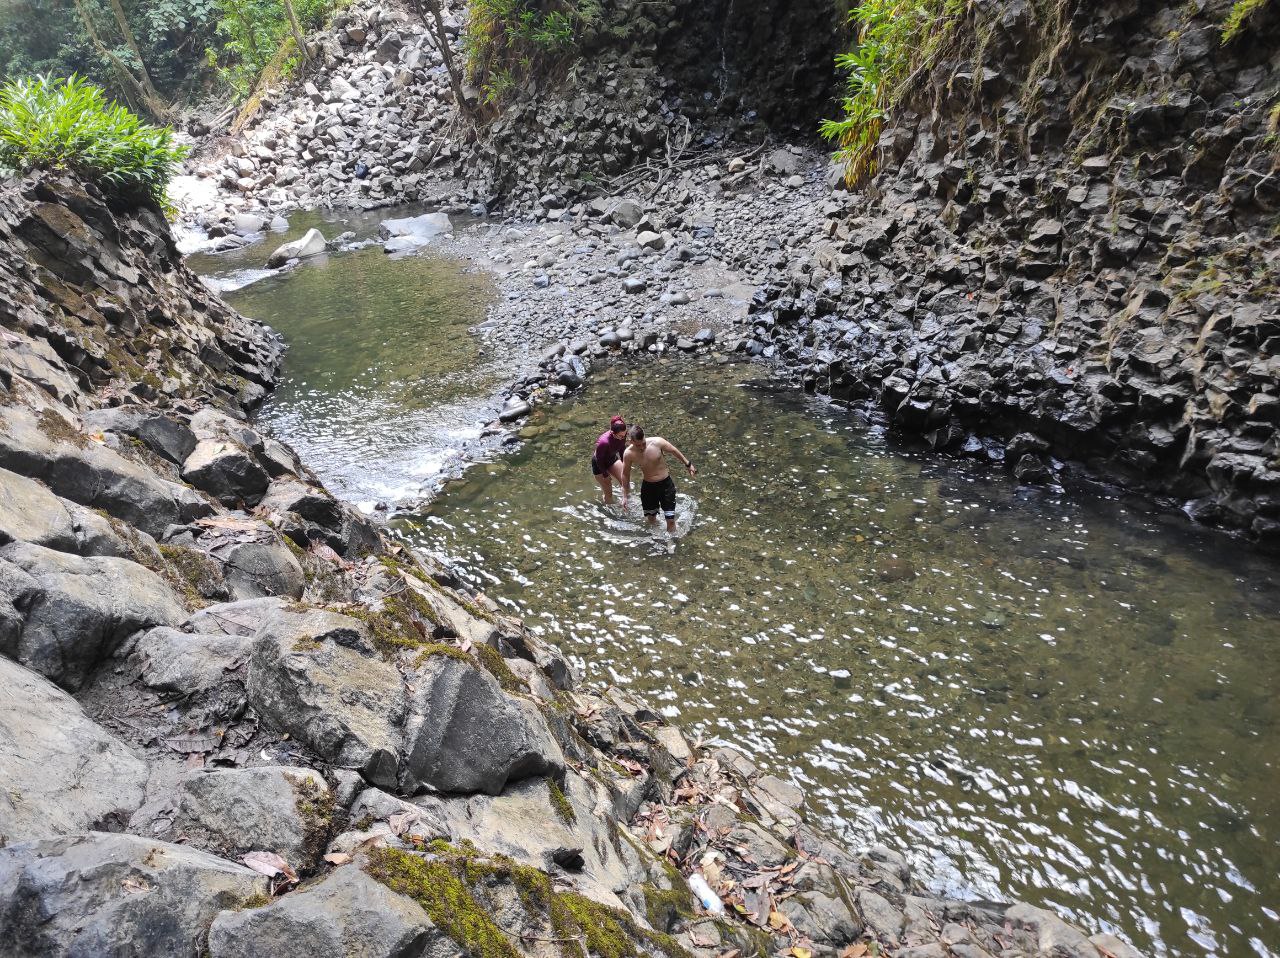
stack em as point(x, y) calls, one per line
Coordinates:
point(1070, 251)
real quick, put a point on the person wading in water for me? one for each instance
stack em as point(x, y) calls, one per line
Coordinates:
point(606, 461)
point(658, 490)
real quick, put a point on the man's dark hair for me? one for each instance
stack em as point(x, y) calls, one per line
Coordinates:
point(635, 433)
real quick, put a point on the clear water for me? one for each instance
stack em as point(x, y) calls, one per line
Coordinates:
point(382, 383)
point(1054, 697)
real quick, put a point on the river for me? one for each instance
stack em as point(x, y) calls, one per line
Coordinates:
point(1059, 697)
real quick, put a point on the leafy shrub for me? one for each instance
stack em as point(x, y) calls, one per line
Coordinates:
point(507, 40)
point(52, 124)
point(895, 39)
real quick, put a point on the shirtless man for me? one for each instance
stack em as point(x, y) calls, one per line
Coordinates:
point(658, 488)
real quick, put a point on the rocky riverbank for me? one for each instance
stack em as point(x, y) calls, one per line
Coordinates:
point(1064, 275)
point(238, 721)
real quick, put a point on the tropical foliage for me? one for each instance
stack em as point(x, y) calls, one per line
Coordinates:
point(49, 124)
point(894, 40)
point(252, 33)
point(509, 40)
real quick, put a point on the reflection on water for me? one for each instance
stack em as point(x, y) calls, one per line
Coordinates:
point(1049, 696)
point(382, 381)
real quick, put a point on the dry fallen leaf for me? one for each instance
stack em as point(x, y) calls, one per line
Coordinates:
point(133, 886)
point(858, 950)
point(401, 821)
point(270, 864)
point(778, 921)
point(338, 858)
point(798, 952)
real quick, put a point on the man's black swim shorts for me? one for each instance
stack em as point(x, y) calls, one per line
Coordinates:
point(655, 494)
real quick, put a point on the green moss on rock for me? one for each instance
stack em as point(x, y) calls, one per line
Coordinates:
point(440, 648)
point(560, 802)
point(492, 660)
point(444, 886)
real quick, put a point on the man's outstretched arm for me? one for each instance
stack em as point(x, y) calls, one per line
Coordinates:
point(626, 479)
point(688, 463)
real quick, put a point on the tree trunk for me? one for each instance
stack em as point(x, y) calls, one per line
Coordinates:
point(155, 100)
point(132, 85)
point(436, 25)
point(298, 38)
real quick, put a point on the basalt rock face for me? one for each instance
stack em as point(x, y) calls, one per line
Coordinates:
point(1069, 253)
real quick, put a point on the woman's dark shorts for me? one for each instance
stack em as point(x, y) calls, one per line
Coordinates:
point(659, 494)
point(595, 467)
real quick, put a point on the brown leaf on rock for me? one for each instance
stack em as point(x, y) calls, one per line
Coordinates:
point(856, 950)
point(270, 864)
point(338, 858)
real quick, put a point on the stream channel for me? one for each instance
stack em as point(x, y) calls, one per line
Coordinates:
point(1064, 698)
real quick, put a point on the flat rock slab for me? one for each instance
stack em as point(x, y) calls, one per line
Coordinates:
point(29, 512)
point(109, 894)
point(71, 612)
point(411, 232)
point(233, 811)
point(348, 913)
point(312, 243)
point(60, 772)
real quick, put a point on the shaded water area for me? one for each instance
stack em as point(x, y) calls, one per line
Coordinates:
point(1054, 697)
point(382, 382)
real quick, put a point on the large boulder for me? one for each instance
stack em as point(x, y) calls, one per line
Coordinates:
point(542, 823)
point(73, 611)
point(29, 512)
point(118, 895)
point(233, 811)
point(60, 772)
point(470, 736)
point(164, 436)
point(226, 470)
point(312, 243)
point(187, 663)
point(347, 914)
point(255, 570)
point(44, 445)
point(313, 674)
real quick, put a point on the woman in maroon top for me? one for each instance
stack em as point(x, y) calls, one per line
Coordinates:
point(606, 461)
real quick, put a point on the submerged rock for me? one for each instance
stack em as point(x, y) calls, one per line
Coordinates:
point(411, 232)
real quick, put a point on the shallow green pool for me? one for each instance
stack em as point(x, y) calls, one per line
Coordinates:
point(382, 383)
point(1057, 697)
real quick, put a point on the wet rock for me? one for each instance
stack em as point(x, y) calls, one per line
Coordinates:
point(105, 894)
point(314, 675)
point(71, 612)
point(226, 470)
point(348, 913)
point(626, 213)
point(312, 243)
point(470, 736)
point(514, 410)
point(1053, 935)
point(61, 772)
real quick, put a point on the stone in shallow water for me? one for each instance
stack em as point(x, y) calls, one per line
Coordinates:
point(312, 243)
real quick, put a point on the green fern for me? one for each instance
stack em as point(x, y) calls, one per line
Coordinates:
point(1240, 14)
point(894, 38)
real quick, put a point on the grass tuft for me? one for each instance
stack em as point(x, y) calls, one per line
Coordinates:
point(1241, 12)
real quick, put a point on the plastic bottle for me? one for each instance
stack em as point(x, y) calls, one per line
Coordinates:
point(710, 900)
